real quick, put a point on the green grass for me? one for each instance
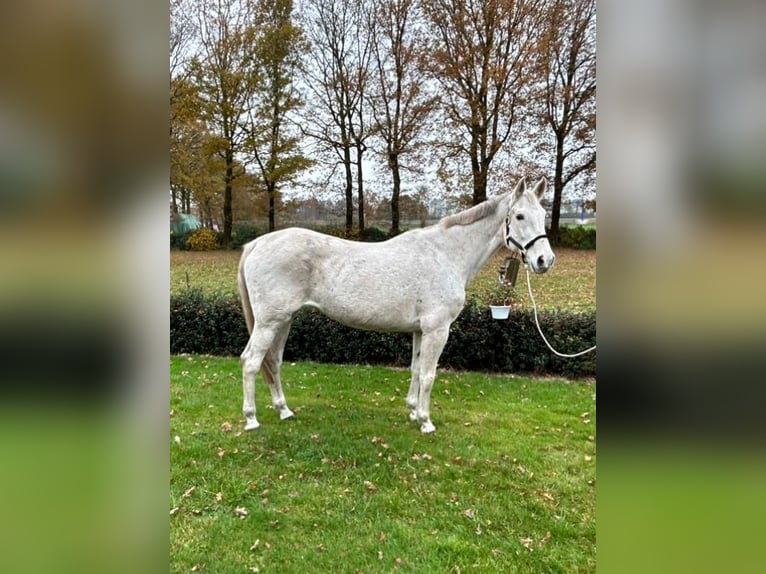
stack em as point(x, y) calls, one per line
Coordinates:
point(570, 285)
point(506, 484)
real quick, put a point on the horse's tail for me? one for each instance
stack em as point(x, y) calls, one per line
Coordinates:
point(247, 308)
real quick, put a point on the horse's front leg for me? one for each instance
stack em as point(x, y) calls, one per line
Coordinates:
point(412, 394)
point(431, 347)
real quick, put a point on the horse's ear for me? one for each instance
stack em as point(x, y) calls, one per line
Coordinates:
point(521, 187)
point(541, 188)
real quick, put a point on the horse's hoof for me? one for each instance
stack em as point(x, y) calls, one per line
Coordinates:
point(252, 425)
point(427, 427)
point(286, 413)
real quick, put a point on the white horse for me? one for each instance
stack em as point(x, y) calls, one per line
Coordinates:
point(413, 283)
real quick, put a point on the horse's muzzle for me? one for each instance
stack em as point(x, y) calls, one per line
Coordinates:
point(543, 263)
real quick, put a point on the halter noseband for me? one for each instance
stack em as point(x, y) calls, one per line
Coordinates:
point(522, 248)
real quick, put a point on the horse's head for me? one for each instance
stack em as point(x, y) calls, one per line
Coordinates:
point(525, 226)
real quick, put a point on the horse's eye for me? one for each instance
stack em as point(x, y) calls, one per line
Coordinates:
point(520, 217)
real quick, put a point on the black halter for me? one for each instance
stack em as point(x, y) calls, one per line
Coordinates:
point(522, 248)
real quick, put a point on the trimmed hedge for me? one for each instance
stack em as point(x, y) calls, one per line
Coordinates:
point(215, 325)
point(577, 237)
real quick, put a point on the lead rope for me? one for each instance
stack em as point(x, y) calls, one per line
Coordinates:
point(537, 322)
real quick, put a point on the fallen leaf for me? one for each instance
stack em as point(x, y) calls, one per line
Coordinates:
point(370, 487)
point(380, 555)
point(177, 439)
point(469, 513)
point(240, 511)
point(221, 452)
point(526, 543)
point(544, 539)
point(218, 496)
point(226, 427)
point(256, 544)
point(174, 511)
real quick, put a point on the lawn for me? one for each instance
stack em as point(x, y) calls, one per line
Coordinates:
point(570, 285)
point(506, 484)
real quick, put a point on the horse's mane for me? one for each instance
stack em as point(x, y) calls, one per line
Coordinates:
point(475, 213)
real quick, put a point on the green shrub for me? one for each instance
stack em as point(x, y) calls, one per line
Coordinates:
point(577, 237)
point(215, 325)
point(178, 240)
point(374, 234)
point(202, 240)
point(241, 233)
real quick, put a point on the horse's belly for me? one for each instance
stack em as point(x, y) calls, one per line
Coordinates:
point(370, 316)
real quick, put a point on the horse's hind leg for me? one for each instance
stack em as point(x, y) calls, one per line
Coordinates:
point(272, 366)
point(412, 394)
point(252, 359)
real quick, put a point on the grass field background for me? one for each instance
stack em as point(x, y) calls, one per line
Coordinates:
point(570, 285)
point(506, 484)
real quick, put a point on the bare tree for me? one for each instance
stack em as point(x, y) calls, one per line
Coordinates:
point(481, 60)
point(567, 66)
point(182, 31)
point(401, 102)
point(336, 72)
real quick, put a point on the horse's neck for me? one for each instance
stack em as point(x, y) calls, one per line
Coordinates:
point(472, 245)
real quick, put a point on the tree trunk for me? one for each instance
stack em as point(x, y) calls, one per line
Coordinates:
point(272, 206)
point(558, 188)
point(207, 215)
point(479, 174)
point(360, 189)
point(227, 195)
point(349, 191)
point(479, 183)
point(393, 162)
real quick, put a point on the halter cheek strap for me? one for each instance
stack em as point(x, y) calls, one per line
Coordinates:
point(522, 248)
